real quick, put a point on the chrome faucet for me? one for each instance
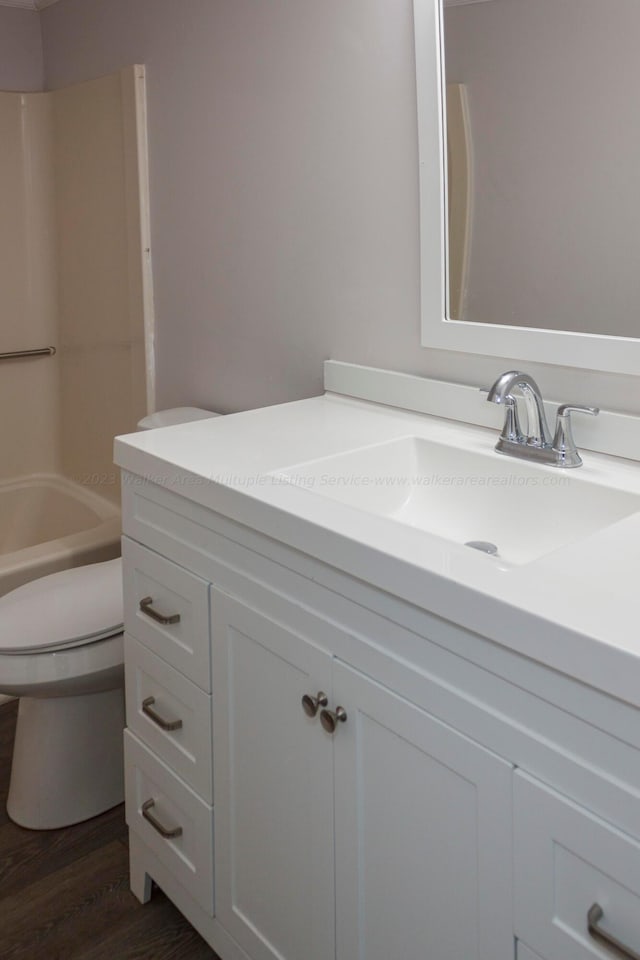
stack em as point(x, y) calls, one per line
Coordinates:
point(537, 443)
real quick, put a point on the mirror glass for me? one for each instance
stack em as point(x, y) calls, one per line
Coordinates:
point(543, 164)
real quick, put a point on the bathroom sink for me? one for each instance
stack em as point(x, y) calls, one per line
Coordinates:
point(522, 510)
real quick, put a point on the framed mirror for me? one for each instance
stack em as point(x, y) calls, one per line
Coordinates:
point(529, 151)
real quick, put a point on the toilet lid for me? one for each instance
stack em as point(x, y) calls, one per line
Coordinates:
point(63, 610)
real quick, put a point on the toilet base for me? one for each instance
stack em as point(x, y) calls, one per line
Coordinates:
point(67, 759)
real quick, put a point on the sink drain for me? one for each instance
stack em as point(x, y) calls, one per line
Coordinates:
point(483, 546)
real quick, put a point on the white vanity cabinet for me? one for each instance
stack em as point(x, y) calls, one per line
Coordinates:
point(422, 856)
point(524, 953)
point(274, 787)
point(168, 757)
point(423, 849)
point(570, 864)
point(471, 805)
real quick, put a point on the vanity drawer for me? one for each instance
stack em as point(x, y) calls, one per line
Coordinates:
point(167, 608)
point(524, 953)
point(567, 860)
point(170, 714)
point(152, 791)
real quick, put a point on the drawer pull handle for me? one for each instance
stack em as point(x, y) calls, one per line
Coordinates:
point(311, 705)
point(594, 917)
point(147, 705)
point(145, 606)
point(157, 826)
point(330, 720)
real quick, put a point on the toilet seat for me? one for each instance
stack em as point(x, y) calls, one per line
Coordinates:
point(70, 609)
point(83, 669)
point(61, 653)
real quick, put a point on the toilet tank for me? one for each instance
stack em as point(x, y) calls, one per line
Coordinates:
point(173, 416)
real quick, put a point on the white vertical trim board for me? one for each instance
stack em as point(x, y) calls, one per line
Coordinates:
point(148, 305)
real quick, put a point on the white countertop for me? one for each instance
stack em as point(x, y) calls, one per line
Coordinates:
point(575, 609)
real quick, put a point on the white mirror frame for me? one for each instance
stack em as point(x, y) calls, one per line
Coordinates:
point(584, 350)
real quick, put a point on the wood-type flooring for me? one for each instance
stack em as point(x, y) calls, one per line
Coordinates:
point(64, 894)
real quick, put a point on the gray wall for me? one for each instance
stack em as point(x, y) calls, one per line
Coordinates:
point(20, 50)
point(284, 191)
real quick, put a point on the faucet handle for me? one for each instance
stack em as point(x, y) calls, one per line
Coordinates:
point(566, 408)
point(564, 446)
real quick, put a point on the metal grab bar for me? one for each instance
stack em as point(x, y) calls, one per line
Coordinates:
point(17, 354)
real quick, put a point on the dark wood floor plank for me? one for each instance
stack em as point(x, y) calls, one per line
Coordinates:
point(29, 855)
point(157, 931)
point(8, 714)
point(54, 915)
point(64, 894)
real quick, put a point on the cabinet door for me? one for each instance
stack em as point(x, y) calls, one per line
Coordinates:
point(273, 788)
point(423, 834)
point(524, 953)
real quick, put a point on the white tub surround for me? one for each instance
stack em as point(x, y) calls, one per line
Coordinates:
point(365, 713)
point(48, 524)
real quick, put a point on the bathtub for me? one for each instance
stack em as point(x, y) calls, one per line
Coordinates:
point(49, 523)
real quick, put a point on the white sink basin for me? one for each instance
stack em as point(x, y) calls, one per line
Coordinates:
point(523, 509)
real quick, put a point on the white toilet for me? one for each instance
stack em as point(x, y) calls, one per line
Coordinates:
point(61, 652)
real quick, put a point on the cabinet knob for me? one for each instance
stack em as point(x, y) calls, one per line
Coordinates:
point(330, 719)
point(311, 705)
